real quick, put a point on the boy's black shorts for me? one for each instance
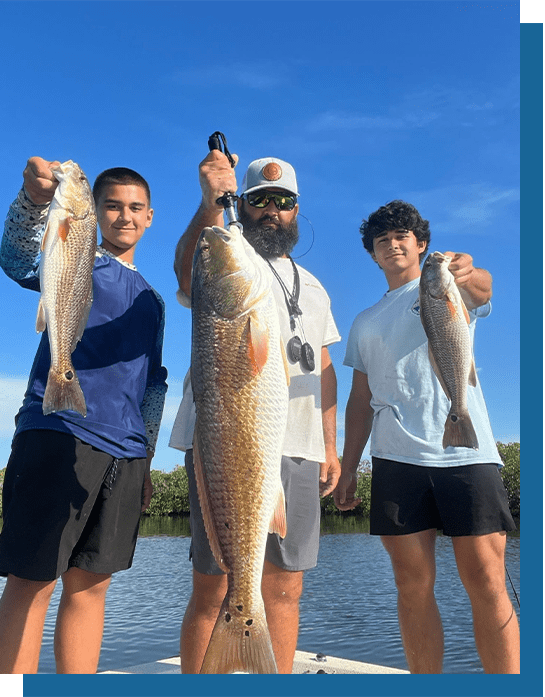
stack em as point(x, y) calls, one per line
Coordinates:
point(65, 504)
point(460, 501)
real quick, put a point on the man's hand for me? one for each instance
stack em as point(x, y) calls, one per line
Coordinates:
point(475, 284)
point(461, 267)
point(329, 475)
point(343, 496)
point(216, 177)
point(39, 181)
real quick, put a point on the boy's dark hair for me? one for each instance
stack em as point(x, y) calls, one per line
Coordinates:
point(396, 215)
point(119, 175)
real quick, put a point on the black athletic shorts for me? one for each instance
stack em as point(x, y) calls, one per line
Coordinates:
point(466, 500)
point(65, 504)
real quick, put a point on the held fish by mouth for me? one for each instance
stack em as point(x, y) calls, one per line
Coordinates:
point(240, 385)
point(445, 320)
point(66, 284)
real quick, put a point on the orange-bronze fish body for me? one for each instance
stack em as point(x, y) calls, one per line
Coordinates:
point(446, 322)
point(66, 268)
point(240, 386)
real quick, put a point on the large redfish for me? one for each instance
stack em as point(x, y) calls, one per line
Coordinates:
point(240, 386)
point(66, 268)
point(446, 322)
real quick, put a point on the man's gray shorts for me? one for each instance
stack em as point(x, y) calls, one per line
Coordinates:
point(298, 551)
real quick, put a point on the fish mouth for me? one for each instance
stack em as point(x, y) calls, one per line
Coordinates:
point(441, 258)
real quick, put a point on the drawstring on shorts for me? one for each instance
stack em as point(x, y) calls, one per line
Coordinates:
point(111, 474)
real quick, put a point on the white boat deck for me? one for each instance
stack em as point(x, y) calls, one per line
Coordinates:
point(304, 663)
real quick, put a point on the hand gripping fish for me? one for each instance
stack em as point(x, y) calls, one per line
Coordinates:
point(66, 268)
point(240, 386)
point(446, 322)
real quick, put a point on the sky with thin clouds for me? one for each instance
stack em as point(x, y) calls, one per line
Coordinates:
point(370, 101)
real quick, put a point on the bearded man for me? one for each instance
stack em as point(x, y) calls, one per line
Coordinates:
point(267, 209)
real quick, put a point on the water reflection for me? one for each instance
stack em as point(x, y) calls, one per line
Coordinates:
point(172, 526)
point(359, 619)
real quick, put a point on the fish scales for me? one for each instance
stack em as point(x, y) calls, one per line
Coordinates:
point(66, 267)
point(240, 388)
point(445, 321)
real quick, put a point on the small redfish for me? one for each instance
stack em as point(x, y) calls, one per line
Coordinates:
point(66, 283)
point(446, 322)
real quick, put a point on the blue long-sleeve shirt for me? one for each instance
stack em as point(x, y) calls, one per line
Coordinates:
point(119, 358)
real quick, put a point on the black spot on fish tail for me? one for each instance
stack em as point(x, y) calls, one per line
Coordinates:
point(459, 431)
point(239, 608)
point(69, 375)
point(241, 645)
point(227, 617)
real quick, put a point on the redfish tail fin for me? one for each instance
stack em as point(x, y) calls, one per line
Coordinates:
point(63, 391)
point(239, 646)
point(459, 431)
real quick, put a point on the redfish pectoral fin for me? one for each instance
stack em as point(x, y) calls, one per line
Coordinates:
point(278, 522)
point(451, 306)
point(258, 343)
point(64, 228)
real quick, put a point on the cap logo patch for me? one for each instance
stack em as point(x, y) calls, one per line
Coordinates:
point(272, 172)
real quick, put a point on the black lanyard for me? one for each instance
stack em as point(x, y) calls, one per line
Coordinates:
point(292, 299)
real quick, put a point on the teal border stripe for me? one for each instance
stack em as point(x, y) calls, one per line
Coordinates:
point(531, 239)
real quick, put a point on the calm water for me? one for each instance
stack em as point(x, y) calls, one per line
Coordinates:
point(348, 608)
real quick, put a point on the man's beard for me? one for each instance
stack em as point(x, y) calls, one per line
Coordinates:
point(269, 240)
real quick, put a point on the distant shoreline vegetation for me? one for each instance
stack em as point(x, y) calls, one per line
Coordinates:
point(171, 491)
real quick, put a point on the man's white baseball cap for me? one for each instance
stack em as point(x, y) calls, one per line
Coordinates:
point(269, 172)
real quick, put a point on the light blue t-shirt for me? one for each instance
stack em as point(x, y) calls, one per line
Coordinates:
point(387, 342)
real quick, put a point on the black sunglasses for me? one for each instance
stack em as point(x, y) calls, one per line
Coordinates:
point(261, 199)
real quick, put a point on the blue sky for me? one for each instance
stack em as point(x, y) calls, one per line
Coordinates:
point(370, 101)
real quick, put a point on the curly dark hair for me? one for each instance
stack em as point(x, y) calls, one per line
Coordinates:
point(119, 175)
point(396, 215)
